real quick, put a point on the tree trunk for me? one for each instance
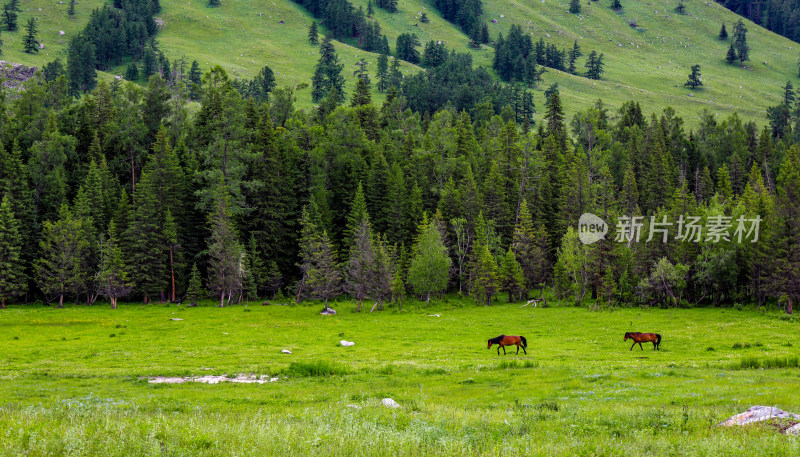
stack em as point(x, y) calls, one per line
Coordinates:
point(3, 303)
point(789, 306)
point(61, 301)
point(222, 299)
point(300, 291)
point(360, 299)
point(172, 271)
point(113, 303)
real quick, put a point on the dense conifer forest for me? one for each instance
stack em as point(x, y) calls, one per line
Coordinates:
point(454, 184)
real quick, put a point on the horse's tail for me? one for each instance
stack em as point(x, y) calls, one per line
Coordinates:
point(524, 342)
point(658, 339)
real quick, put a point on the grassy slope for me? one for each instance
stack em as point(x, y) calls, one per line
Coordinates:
point(51, 18)
point(236, 37)
point(71, 381)
point(658, 56)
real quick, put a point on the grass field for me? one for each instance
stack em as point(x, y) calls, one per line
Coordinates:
point(74, 381)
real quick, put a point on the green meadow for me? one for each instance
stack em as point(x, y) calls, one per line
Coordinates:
point(75, 381)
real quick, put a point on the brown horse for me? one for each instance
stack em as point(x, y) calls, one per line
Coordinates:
point(509, 340)
point(640, 338)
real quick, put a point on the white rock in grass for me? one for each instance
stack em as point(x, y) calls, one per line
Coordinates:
point(61, 32)
point(176, 319)
point(346, 343)
point(286, 351)
point(389, 403)
point(758, 414)
point(793, 430)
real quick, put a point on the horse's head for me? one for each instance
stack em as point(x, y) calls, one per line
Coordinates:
point(627, 335)
point(490, 345)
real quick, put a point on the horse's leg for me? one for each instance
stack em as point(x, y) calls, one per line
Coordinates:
point(632, 345)
point(640, 346)
point(523, 350)
point(517, 348)
point(498, 349)
point(504, 350)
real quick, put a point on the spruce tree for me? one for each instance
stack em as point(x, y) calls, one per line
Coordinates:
point(61, 268)
point(574, 53)
point(429, 271)
point(9, 18)
point(383, 73)
point(112, 279)
point(323, 279)
point(485, 276)
point(13, 281)
point(313, 33)
point(29, 42)
point(327, 73)
point(723, 32)
point(132, 72)
point(616, 5)
point(694, 78)
point(370, 9)
point(195, 81)
point(214, 3)
point(575, 6)
point(71, 10)
point(361, 266)
point(226, 255)
point(512, 281)
point(195, 292)
point(740, 42)
point(730, 57)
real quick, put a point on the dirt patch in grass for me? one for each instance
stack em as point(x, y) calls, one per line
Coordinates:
point(209, 379)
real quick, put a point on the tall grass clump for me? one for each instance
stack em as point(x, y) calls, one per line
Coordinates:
point(315, 369)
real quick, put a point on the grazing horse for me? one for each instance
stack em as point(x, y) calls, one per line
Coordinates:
point(640, 338)
point(509, 340)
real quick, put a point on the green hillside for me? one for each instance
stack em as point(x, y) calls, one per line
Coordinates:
point(648, 64)
point(51, 18)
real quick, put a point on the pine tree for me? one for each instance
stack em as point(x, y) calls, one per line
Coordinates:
point(358, 213)
point(71, 10)
point(429, 271)
point(370, 9)
point(694, 78)
point(723, 32)
point(9, 18)
point(511, 278)
point(731, 56)
point(313, 33)
point(112, 277)
point(322, 277)
point(361, 266)
point(575, 6)
point(485, 277)
point(616, 5)
point(195, 81)
point(132, 72)
point(574, 53)
point(327, 73)
point(361, 73)
point(594, 65)
point(383, 73)
point(395, 75)
point(13, 281)
point(226, 255)
point(29, 42)
point(194, 292)
point(740, 42)
point(485, 33)
point(214, 3)
point(424, 18)
point(64, 249)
